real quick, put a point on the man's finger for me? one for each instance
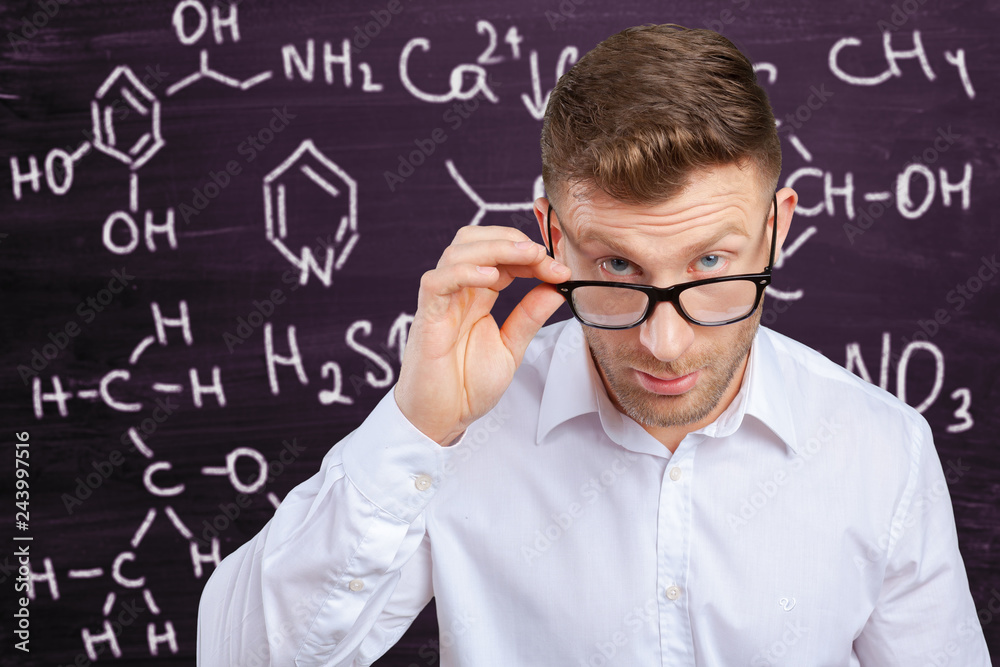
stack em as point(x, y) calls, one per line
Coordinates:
point(493, 252)
point(472, 233)
point(527, 318)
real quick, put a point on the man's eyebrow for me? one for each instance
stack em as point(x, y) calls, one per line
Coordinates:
point(596, 238)
point(590, 236)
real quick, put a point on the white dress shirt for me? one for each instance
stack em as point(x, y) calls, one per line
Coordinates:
point(810, 525)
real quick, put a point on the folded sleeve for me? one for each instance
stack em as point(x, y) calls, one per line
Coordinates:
point(342, 568)
point(924, 614)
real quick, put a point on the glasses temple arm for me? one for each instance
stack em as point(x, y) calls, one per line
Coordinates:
point(548, 222)
point(774, 231)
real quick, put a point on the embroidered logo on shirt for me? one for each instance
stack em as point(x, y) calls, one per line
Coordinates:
point(787, 603)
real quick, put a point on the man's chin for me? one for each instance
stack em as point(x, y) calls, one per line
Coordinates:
point(671, 402)
point(663, 410)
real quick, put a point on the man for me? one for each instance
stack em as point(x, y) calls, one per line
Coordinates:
point(649, 483)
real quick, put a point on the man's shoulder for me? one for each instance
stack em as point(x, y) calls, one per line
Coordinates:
point(810, 378)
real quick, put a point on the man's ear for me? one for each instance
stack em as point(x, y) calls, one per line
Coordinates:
point(787, 200)
point(541, 211)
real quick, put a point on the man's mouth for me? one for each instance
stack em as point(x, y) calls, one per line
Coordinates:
point(667, 386)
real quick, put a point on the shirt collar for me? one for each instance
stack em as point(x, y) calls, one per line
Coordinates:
point(570, 382)
point(767, 390)
point(573, 388)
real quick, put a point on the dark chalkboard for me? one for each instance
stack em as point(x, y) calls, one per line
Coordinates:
point(215, 216)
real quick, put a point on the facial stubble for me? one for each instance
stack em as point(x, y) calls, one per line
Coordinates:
point(718, 365)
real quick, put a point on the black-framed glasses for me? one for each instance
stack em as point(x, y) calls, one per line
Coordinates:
point(711, 302)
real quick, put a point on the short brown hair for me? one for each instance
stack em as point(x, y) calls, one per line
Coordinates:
point(650, 105)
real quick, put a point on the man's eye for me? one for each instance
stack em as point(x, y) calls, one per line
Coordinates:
point(709, 262)
point(617, 267)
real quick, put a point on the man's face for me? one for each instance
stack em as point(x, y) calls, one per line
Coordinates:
point(667, 372)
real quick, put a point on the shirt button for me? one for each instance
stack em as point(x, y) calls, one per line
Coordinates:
point(423, 482)
point(675, 473)
point(356, 585)
point(673, 592)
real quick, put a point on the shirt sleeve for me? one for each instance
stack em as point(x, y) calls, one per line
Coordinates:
point(342, 568)
point(924, 614)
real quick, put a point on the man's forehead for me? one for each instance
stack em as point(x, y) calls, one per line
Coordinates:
point(739, 181)
point(599, 237)
point(589, 221)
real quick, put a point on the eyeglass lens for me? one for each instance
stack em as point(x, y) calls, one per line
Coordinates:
point(713, 303)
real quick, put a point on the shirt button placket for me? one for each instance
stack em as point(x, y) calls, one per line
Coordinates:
point(673, 553)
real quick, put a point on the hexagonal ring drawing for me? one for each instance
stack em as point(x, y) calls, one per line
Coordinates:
point(141, 100)
point(276, 212)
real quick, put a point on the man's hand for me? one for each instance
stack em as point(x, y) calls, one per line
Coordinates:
point(457, 362)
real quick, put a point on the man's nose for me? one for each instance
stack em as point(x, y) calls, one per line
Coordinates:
point(665, 333)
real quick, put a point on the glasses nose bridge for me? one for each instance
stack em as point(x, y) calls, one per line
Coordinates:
point(660, 295)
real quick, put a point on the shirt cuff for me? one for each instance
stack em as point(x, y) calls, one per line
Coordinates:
point(394, 464)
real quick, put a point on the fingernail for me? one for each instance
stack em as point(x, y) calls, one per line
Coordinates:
point(485, 269)
point(523, 245)
point(559, 268)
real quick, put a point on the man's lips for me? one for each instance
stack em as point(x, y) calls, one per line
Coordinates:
point(667, 387)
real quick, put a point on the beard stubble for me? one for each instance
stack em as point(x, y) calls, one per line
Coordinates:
point(718, 364)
